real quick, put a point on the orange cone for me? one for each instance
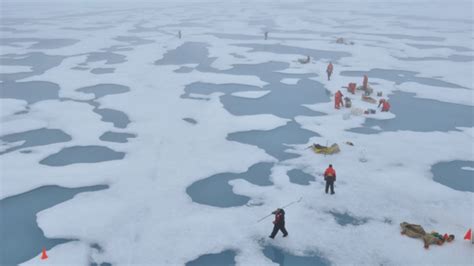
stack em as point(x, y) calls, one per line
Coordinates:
point(468, 235)
point(43, 254)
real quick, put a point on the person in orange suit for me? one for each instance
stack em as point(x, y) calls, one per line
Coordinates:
point(352, 87)
point(385, 105)
point(365, 83)
point(329, 70)
point(330, 178)
point(338, 100)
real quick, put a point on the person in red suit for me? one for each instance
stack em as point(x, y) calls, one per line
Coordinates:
point(279, 223)
point(338, 100)
point(365, 83)
point(385, 105)
point(329, 70)
point(330, 178)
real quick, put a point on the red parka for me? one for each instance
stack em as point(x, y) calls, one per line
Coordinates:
point(330, 174)
point(330, 68)
point(385, 105)
point(338, 100)
point(279, 217)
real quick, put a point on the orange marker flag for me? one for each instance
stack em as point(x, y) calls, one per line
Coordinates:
point(43, 254)
point(468, 235)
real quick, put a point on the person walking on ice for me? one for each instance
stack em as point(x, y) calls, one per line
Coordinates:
point(329, 70)
point(279, 223)
point(330, 178)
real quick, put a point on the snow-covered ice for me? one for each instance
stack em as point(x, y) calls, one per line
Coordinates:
point(160, 119)
point(251, 94)
point(289, 81)
point(6, 69)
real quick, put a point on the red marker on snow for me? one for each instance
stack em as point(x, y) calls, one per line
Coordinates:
point(468, 235)
point(44, 256)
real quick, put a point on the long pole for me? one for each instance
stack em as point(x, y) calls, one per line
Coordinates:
point(291, 203)
point(263, 218)
point(286, 206)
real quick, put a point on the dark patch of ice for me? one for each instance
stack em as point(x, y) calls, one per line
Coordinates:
point(187, 53)
point(284, 258)
point(224, 258)
point(116, 137)
point(452, 175)
point(133, 40)
point(432, 46)
point(39, 63)
point(406, 36)
point(299, 177)
point(82, 154)
point(110, 58)
point(30, 91)
point(118, 118)
point(275, 141)
point(39, 43)
point(345, 218)
point(101, 90)
point(102, 70)
point(216, 190)
point(282, 101)
point(33, 138)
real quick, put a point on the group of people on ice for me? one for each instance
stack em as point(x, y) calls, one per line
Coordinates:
point(411, 230)
point(338, 97)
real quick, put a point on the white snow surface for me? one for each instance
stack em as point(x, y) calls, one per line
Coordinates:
point(290, 81)
point(8, 69)
point(251, 94)
point(74, 252)
point(146, 217)
point(8, 107)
